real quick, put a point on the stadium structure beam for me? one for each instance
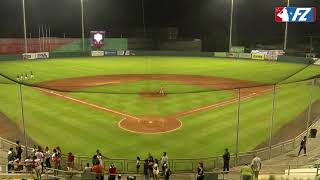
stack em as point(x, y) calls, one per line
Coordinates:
point(24, 27)
point(23, 120)
point(143, 20)
point(238, 126)
point(82, 25)
point(286, 31)
point(272, 120)
point(313, 82)
point(231, 25)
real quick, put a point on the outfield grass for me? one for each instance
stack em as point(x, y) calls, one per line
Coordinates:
point(80, 129)
point(238, 69)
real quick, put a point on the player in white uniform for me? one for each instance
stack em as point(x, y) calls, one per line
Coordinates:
point(161, 92)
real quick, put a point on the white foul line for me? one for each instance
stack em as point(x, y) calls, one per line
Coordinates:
point(88, 104)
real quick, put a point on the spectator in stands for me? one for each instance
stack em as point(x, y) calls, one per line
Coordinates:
point(19, 150)
point(166, 172)
point(95, 159)
point(55, 161)
point(256, 166)
point(119, 176)
point(36, 164)
point(100, 154)
point(150, 166)
point(246, 172)
point(59, 154)
point(164, 160)
point(70, 161)
point(34, 150)
point(47, 157)
point(87, 169)
point(138, 164)
point(200, 171)
point(226, 159)
point(155, 170)
point(146, 175)
point(112, 172)
point(98, 169)
point(39, 154)
point(303, 145)
point(11, 158)
point(28, 164)
point(99, 157)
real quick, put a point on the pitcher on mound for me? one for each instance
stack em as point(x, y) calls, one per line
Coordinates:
point(161, 91)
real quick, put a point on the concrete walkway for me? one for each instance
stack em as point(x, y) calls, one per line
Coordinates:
point(278, 165)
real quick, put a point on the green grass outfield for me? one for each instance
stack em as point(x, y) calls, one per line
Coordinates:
point(80, 129)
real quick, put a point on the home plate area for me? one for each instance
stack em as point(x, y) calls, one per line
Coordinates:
point(150, 124)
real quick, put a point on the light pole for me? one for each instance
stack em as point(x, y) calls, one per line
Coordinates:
point(231, 26)
point(82, 25)
point(286, 31)
point(143, 20)
point(21, 78)
point(24, 27)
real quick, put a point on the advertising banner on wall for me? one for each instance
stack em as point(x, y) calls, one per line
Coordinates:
point(258, 56)
point(233, 55)
point(317, 61)
point(220, 54)
point(42, 55)
point(245, 55)
point(29, 56)
point(125, 53)
point(97, 53)
point(237, 49)
point(39, 55)
point(110, 53)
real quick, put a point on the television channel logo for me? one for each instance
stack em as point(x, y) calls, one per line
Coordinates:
point(295, 14)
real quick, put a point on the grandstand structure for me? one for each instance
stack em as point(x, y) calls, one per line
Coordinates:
point(284, 164)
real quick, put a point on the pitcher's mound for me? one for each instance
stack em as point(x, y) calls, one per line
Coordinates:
point(150, 124)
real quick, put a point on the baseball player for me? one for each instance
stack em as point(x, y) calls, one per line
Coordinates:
point(161, 92)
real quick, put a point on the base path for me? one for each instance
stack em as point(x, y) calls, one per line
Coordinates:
point(151, 124)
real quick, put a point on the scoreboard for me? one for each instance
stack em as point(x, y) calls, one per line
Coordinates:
point(97, 39)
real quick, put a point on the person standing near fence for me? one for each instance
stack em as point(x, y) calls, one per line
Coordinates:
point(47, 156)
point(200, 171)
point(146, 175)
point(138, 164)
point(246, 172)
point(256, 166)
point(11, 157)
point(166, 172)
point(164, 160)
point(19, 150)
point(226, 159)
point(303, 145)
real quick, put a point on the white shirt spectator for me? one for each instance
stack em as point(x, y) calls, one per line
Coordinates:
point(39, 156)
point(164, 159)
point(256, 164)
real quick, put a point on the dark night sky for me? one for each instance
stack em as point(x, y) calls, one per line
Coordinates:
point(194, 18)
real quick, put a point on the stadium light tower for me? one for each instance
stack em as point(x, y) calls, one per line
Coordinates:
point(286, 31)
point(231, 26)
point(82, 25)
point(24, 27)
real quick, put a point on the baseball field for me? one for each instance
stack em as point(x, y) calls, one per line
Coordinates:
point(114, 104)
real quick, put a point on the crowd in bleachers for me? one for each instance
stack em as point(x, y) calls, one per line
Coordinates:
point(38, 160)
